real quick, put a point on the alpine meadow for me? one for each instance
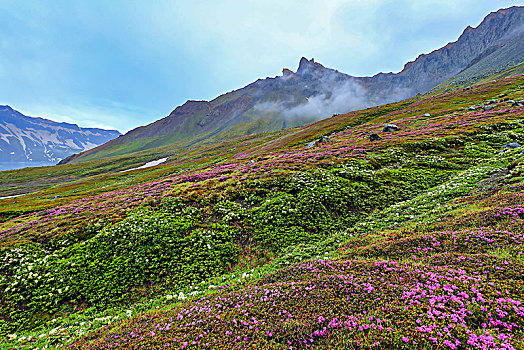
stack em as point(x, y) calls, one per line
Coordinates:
point(311, 210)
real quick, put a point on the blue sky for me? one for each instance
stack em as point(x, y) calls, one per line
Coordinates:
point(121, 64)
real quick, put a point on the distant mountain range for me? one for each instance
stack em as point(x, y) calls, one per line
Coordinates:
point(315, 92)
point(26, 139)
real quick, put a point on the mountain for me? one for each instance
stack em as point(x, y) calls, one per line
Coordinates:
point(315, 92)
point(495, 45)
point(24, 138)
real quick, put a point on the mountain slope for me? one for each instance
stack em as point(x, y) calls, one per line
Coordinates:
point(315, 92)
point(414, 240)
point(496, 44)
point(24, 138)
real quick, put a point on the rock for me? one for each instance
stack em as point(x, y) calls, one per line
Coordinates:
point(487, 108)
point(56, 197)
point(324, 139)
point(286, 72)
point(467, 88)
point(512, 145)
point(390, 127)
point(311, 144)
point(348, 127)
point(472, 108)
point(492, 102)
point(251, 161)
point(374, 137)
point(387, 121)
point(510, 101)
point(427, 115)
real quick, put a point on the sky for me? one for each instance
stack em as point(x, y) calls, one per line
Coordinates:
point(120, 64)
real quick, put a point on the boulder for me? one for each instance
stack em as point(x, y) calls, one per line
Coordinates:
point(390, 127)
point(492, 102)
point(487, 108)
point(56, 197)
point(427, 115)
point(374, 137)
point(311, 144)
point(324, 139)
point(511, 145)
point(472, 108)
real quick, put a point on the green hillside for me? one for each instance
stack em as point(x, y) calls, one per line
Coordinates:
point(269, 242)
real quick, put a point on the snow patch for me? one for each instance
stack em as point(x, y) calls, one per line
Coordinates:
point(13, 196)
point(148, 164)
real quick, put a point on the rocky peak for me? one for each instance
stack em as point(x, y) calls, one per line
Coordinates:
point(307, 66)
point(286, 72)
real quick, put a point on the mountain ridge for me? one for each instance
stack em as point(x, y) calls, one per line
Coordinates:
point(25, 138)
point(315, 92)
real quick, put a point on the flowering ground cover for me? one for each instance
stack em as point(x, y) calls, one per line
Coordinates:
point(412, 241)
point(446, 302)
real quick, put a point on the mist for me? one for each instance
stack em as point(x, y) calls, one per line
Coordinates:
point(346, 97)
point(337, 97)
